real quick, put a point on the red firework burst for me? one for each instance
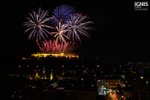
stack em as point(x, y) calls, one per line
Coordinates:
point(53, 46)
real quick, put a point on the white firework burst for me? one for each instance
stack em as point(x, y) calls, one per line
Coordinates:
point(78, 25)
point(37, 25)
point(60, 33)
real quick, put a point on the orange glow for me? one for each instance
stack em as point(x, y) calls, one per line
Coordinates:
point(51, 76)
point(113, 96)
point(37, 76)
point(39, 55)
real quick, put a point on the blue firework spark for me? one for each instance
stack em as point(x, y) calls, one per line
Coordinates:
point(62, 13)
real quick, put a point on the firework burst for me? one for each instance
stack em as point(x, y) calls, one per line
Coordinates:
point(55, 47)
point(62, 13)
point(78, 26)
point(60, 33)
point(37, 25)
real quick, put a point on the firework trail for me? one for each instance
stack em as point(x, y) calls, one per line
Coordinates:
point(62, 13)
point(78, 26)
point(37, 25)
point(53, 46)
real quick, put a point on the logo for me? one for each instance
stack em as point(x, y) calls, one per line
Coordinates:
point(141, 6)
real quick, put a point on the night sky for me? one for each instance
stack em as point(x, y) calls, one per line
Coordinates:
point(120, 34)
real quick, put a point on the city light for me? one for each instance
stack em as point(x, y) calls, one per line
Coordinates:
point(141, 77)
point(44, 55)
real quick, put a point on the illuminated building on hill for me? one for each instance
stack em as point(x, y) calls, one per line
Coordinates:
point(47, 66)
point(59, 55)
